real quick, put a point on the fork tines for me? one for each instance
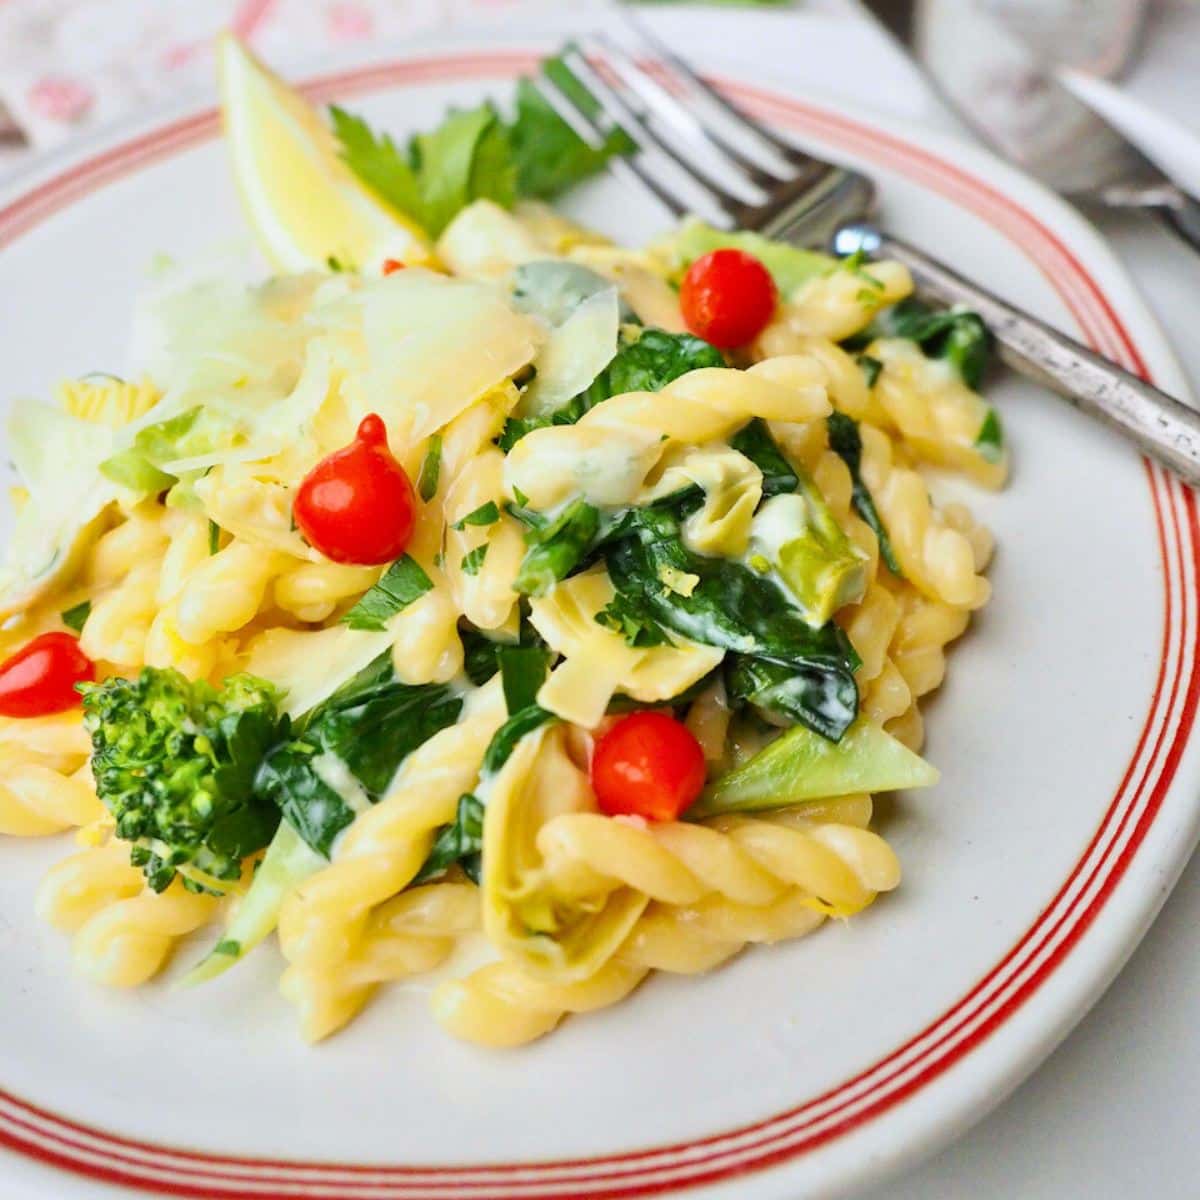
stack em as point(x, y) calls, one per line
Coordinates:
point(697, 150)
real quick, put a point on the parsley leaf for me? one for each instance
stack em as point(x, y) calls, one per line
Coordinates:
point(473, 559)
point(401, 584)
point(550, 155)
point(74, 618)
point(485, 514)
point(467, 157)
point(990, 439)
point(431, 469)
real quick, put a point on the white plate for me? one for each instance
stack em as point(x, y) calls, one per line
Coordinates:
point(1069, 800)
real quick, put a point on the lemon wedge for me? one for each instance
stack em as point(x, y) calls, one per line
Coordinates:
point(305, 205)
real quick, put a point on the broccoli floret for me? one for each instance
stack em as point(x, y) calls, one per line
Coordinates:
point(174, 762)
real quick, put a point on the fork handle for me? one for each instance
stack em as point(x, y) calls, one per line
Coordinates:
point(1161, 426)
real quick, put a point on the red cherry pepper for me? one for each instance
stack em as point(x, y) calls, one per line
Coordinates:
point(40, 678)
point(357, 504)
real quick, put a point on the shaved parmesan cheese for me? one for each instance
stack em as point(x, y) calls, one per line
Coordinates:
point(578, 350)
point(431, 346)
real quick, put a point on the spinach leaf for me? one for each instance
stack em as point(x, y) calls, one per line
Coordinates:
point(757, 444)
point(370, 725)
point(846, 442)
point(556, 546)
point(523, 671)
point(462, 840)
point(504, 740)
point(957, 335)
point(402, 583)
point(787, 692)
point(870, 368)
point(214, 538)
point(736, 609)
point(459, 842)
point(481, 654)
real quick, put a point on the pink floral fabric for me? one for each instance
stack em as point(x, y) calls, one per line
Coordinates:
point(69, 66)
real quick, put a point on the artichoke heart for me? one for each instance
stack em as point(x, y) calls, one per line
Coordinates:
point(559, 929)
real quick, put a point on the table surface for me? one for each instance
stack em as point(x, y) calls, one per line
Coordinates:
point(1110, 1113)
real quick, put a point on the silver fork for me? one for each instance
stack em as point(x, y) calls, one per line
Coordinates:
point(694, 141)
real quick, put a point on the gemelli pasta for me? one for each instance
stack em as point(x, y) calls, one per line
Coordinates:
point(510, 609)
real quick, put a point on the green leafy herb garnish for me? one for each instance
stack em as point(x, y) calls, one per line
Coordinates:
point(459, 842)
point(990, 439)
point(402, 583)
point(523, 671)
point(485, 514)
point(473, 559)
point(74, 617)
point(474, 154)
point(846, 442)
point(431, 469)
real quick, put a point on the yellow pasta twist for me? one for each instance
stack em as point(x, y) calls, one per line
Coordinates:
point(481, 561)
point(939, 416)
point(716, 887)
point(845, 300)
point(36, 799)
point(312, 591)
point(123, 932)
point(58, 741)
point(607, 456)
point(410, 934)
point(323, 923)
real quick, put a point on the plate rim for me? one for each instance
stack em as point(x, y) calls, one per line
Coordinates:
point(36, 1132)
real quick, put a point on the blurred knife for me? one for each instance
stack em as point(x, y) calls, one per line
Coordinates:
point(1004, 89)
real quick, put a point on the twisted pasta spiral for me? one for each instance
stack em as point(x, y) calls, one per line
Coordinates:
point(36, 799)
point(123, 932)
point(410, 934)
point(324, 922)
point(843, 301)
point(608, 454)
point(715, 888)
point(939, 416)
